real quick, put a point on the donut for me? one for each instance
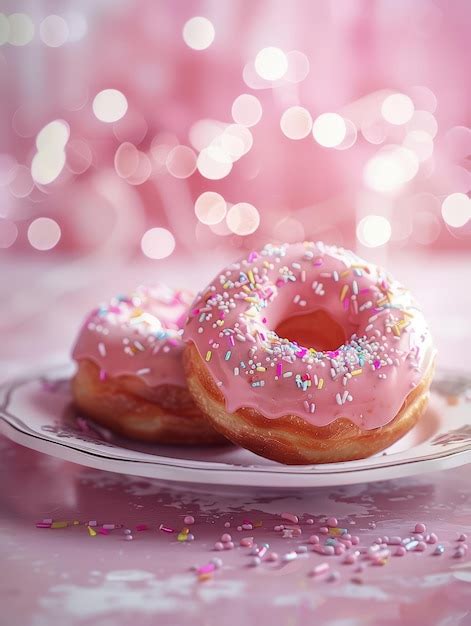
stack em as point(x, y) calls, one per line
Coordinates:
point(130, 374)
point(307, 354)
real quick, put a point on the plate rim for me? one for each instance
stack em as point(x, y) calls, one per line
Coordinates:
point(293, 471)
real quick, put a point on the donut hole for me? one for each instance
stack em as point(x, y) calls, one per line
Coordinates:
point(316, 329)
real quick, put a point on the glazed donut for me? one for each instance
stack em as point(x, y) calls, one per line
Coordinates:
point(130, 374)
point(305, 353)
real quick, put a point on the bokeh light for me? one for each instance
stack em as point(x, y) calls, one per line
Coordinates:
point(7, 168)
point(21, 184)
point(54, 31)
point(214, 163)
point(79, 156)
point(53, 136)
point(21, 29)
point(423, 98)
point(390, 169)
point(77, 25)
point(198, 33)
point(235, 141)
point(373, 231)
point(110, 105)
point(157, 243)
point(397, 109)
point(160, 148)
point(132, 127)
point(181, 161)
point(143, 171)
point(44, 233)
point(456, 209)
point(419, 142)
point(423, 121)
point(203, 132)
point(47, 165)
point(246, 110)
point(329, 130)
point(296, 122)
point(252, 79)
point(210, 208)
point(351, 134)
point(126, 159)
point(243, 218)
point(4, 29)
point(298, 67)
point(8, 233)
point(271, 63)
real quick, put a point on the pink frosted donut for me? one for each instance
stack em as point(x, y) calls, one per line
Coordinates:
point(306, 353)
point(130, 374)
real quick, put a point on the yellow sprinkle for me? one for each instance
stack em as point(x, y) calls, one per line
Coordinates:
point(91, 532)
point(257, 524)
point(250, 275)
point(266, 264)
point(246, 289)
point(220, 322)
point(182, 536)
point(137, 313)
point(344, 292)
point(252, 300)
point(261, 369)
point(344, 273)
point(226, 284)
point(208, 355)
point(204, 577)
point(76, 522)
point(321, 383)
point(356, 372)
point(396, 331)
point(59, 525)
point(382, 301)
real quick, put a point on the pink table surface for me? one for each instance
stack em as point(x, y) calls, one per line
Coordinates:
point(64, 576)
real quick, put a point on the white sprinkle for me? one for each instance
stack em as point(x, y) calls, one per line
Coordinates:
point(144, 370)
point(338, 399)
point(313, 407)
point(102, 348)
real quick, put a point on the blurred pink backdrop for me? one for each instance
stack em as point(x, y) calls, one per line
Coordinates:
point(394, 74)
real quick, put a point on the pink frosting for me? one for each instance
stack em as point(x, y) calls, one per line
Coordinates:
point(138, 335)
point(366, 380)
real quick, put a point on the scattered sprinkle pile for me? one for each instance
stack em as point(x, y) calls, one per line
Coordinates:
point(332, 543)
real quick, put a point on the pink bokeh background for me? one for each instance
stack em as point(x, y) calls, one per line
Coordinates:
point(117, 180)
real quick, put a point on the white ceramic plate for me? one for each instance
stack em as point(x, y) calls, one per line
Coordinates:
point(36, 412)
